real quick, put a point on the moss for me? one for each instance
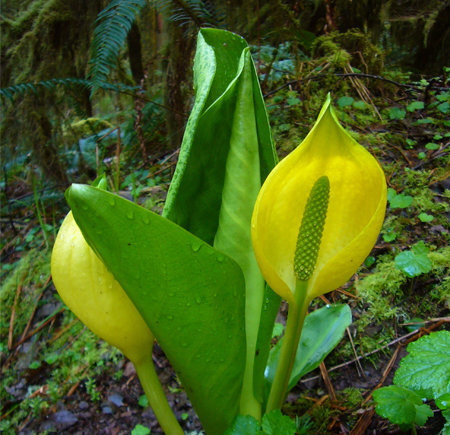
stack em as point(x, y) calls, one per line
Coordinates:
point(350, 47)
point(89, 126)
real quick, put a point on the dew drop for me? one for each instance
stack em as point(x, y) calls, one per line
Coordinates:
point(198, 300)
point(188, 304)
point(112, 201)
point(196, 246)
point(220, 258)
point(99, 231)
point(84, 207)
point(146, 220)
point(171, 294)
point(130, 214)
point(328, 306)
point(170, 317)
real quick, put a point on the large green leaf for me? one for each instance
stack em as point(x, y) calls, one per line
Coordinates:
point(191, 296)
point(427, 365)
point(322, 331)
point(227, 153)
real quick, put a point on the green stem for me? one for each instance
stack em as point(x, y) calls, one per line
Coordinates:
point(156, 397)
point(291, 339)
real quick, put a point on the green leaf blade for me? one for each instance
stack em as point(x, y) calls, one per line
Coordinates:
point(191, 296)
point(397, 404)
point(322, 331)
point(427, 365)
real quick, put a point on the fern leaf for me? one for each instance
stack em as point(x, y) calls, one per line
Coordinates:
point(109, 36)
point(70, 83)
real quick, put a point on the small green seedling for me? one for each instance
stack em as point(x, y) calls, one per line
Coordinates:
point(414, 262)
point(398, 201)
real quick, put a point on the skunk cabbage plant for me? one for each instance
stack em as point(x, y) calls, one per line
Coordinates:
point(238, 233)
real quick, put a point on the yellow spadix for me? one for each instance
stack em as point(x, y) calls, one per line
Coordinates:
point(355, 211)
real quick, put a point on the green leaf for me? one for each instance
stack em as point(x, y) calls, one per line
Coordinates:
point(421, 155)
point(396, 113)
point(169, 275)
point(140, 430)
point(415, 105)
point(397, 404)
point(424, 217)
point(443, 402)
point(226, 154)
point(427, 365)
point(369, 261)
point(277, 330)
point(391, 194)
point(293, 101)
point(389, 235)
point(345, 101)
point(446, 429)
point(401, 201)
point(414, 262)
point(244, 425)
point(424, 121)
point(359, 105)
point(322, 331)
point(422, 413)
point(444, 107)
point(143, 401)
point(275, 423)
point(432, 146)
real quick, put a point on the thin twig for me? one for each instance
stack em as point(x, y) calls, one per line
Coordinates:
point(376, 350)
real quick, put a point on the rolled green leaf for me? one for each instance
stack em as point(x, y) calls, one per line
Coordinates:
point(227, 153)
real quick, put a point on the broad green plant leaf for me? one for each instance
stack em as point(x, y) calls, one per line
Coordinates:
point(190, 295)
point(427, 365)
point(396, 113)
point(226, 154)
point(275, 423)
point(397, 404)
point(322, 331)
point(245, 425)
point(415, 105)
point(414, 262)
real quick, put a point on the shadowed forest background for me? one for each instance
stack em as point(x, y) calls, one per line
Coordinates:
point(93, 87)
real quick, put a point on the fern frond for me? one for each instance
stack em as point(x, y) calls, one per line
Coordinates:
point(109, 36)
point(70, 83)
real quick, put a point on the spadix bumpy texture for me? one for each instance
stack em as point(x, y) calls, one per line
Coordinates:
point(355, 212)
point(95, 297)
point(311, 229)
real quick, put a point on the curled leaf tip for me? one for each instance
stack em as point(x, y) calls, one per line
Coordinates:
point(311, 229)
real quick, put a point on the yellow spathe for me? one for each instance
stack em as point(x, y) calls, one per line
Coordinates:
point(355, 213)
point(95, 297)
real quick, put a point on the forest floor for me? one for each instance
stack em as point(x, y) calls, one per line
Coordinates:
point(57, 377)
